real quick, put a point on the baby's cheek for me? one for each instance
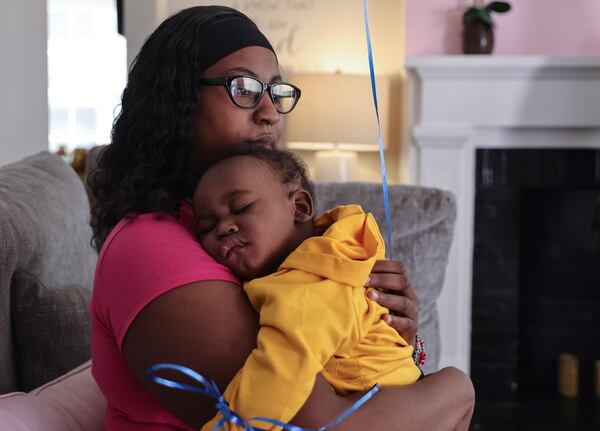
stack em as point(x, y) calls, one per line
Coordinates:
point(210, 248)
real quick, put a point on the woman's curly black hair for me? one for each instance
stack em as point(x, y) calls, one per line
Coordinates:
point(145, 167)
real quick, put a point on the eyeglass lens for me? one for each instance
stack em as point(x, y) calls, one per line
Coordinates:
point(246, 92)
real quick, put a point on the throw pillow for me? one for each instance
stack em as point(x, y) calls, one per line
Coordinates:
point(51, 328)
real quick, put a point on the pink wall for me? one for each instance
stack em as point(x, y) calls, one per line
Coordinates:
point(532, 27)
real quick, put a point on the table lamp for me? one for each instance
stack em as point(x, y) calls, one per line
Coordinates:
point(336, 118)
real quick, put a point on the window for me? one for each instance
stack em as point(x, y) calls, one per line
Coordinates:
point(87, 71)
point(59, 123)
point(85, 120)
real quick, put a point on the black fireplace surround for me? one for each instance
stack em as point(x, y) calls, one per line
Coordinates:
point(536, 275)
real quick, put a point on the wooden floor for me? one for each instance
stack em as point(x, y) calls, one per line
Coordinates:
point(540, 413)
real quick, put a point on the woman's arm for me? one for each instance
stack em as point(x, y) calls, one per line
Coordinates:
point(443, 401)
point(210, 327)
point(207, 326)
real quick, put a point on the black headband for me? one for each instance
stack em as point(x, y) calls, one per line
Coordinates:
point(225, 30)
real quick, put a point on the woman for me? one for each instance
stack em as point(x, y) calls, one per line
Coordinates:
point(158, 297)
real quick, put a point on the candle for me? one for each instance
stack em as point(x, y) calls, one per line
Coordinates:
point(568, 375)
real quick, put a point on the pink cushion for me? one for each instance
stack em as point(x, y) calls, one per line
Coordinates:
point(70, 402)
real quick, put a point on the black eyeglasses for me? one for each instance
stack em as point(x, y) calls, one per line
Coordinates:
point(246, 92)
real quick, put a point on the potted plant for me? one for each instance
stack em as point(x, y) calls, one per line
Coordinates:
point(478, 26)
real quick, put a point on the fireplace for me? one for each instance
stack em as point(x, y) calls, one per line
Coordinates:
point(536, 277)
point(517, 140)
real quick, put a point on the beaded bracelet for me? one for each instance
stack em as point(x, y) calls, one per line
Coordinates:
point(419, 353)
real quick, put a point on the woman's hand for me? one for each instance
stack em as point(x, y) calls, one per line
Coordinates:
point(398, 296)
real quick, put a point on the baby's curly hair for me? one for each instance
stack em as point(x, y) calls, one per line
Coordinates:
point(290, 168)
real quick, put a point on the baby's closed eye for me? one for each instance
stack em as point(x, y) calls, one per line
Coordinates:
point(240, 208)
point(205, 226)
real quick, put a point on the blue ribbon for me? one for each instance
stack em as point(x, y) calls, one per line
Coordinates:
point(386, 200)
point(209, 388)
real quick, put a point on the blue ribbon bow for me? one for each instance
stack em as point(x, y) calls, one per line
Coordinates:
point(209, 388)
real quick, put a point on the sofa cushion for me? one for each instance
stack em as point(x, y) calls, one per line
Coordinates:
point(44, 229)
point(47, 346)
point(72, 402)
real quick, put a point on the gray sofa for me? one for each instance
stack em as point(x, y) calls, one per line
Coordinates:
point(47, 262)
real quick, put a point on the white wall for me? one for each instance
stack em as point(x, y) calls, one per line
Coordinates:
point(301, 31)
point(23, 79)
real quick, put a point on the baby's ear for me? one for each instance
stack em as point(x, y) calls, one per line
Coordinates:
point(304, 208)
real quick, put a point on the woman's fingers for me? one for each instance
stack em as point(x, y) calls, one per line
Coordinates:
point(399, 306)
point(407, 328)
point(404, 313)
point(389, 266)
point(395, 283)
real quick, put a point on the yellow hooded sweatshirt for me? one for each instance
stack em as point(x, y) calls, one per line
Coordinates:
point(315, 317)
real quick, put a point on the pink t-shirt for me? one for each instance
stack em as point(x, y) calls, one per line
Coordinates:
point(140, 260)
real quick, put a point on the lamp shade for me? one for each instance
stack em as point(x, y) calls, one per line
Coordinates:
point(336, 111)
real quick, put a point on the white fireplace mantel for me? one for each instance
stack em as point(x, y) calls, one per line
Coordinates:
point(461, 103)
